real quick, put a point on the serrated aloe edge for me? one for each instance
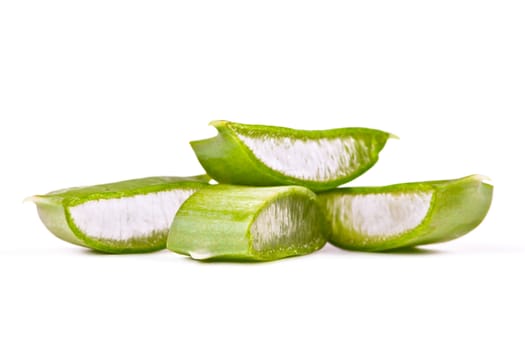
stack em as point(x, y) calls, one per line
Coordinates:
point(239, 223)
point(405, 215)
point(130, 216)
point(260, 155)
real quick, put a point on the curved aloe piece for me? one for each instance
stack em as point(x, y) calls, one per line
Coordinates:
point(403, 215)
point(228, 222)
point(260, 155)
point(122, 217)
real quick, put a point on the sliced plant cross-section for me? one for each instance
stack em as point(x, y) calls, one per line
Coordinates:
point(403, 215)
point(229, 222)
point(259, 155)
point(121, 217)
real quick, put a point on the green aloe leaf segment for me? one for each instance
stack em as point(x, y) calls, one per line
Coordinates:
point(122, 217)
point(259, 155)
point(227, 222)
point(405, 215)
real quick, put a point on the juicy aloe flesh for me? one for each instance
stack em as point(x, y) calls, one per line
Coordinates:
point(226, 222)
point(405, 215)
point(122, 217)
point(259, 155)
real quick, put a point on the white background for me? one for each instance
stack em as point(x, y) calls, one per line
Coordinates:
point(101, 91)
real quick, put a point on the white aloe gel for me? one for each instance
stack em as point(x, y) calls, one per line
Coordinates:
point(125, 218)
point(315, 159)
point(383, 214)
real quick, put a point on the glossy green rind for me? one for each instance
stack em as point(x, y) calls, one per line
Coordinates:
point(215, 223)
point(54, 211)
point(456, 208)
point(228, 160)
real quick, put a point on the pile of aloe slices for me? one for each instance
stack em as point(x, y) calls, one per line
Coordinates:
point(277, 196)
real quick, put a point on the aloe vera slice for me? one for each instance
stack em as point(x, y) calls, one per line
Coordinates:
point(226, 222)
point(122, 217)
point(259, 155)
point(404, 215)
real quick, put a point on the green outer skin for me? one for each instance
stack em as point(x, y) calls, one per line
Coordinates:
point(214, 223)
point(228, 160)
point(456, 208)
point(53, 209)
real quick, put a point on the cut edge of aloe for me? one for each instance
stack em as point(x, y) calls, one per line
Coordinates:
point(217, 224)
point(54, 210)
point(456, 207)
point(227, 159)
